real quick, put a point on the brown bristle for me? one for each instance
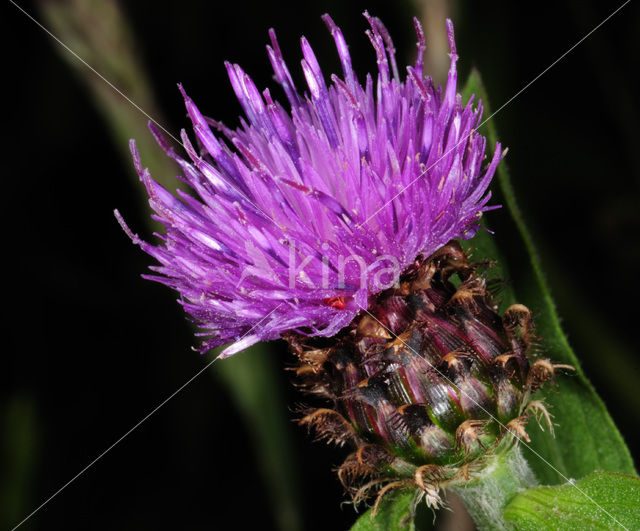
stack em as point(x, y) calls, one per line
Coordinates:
point(468, 434)
point(329, 425)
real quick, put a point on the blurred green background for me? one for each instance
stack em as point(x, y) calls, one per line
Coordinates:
point(93, 348)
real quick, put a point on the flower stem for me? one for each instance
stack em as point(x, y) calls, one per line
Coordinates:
point(486, 496)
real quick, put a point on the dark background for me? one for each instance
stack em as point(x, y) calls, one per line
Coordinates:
point(91, 348)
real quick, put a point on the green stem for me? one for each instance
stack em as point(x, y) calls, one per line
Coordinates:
point(486, 496)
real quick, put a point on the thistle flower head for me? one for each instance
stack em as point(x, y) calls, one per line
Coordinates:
point(308, 210)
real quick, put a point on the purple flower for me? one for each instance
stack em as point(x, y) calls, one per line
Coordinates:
point(305, 213)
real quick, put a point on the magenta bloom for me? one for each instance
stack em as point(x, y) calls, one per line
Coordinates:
point(307, 211)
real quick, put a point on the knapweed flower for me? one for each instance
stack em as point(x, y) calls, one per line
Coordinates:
point(309, 210)
point(330, 222)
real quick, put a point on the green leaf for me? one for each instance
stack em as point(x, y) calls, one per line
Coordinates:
point(616, 500)
point(586, 438)
point(394, 512)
